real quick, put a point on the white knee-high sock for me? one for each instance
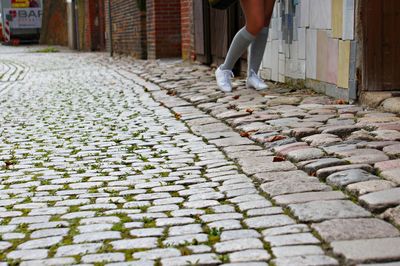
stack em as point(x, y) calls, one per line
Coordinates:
point(257, 49)
point(240, 42)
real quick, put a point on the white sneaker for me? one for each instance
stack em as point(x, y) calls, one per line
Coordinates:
point(254, 81)
point(224, 79)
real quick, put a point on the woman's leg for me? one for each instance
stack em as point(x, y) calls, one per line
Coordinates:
point(255, 20)
point(257, 47)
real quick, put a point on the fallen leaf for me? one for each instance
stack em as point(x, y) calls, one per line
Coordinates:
point(232, 106)
point(249, 110)
point(278, 159)
point(171, 92)
point(340, 101)
point(245, 134)
point(178, 116)
point(275, 138)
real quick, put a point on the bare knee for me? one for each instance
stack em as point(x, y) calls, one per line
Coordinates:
point(255, 27)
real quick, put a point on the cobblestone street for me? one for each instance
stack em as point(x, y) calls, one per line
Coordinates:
point(122, 162)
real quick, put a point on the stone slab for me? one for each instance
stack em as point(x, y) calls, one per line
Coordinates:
point(308, 196)
point(325, 172)
point(305, 154)
point(351, 229)
point(344, 178)
point(362, 188)
point(264, 164)
point(293, 185)
point(365, 250)
point(281, 175)
point(381, 200)
point(316, 211)
point(309, 260)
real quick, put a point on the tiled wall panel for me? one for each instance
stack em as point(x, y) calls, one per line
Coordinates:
point(309, 39)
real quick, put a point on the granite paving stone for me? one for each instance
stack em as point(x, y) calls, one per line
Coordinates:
point(145, 242)
point(131, 162)
point(279, 175)
point(392, 175)
point(249, 255)
point(78, 249)
point(264, 211)
point(316, 211)
point(344, 178)
point(305, 154)
point(350, 229)
point(293, 185)
point(359, 251)
point(311, 260)
point(314, 166)
point(226, 224)
point(360, 156)
point(321, 139)
point(32, 254)
point(393, 215)
point(268, 221)
point(300, 250)
point(157, 254)
point(325, 172)
point(264, 164)
point(103, 257)
point(238, 245)
point(291, 239)
point(392, 150)
point(52, 261)
point(308, 196)
point(376, 201)
point(286, 230)
point(387, 165)
point(365, 187)
point(40, 243)
point(203, 259)
point(183, 239)
point(96, 236)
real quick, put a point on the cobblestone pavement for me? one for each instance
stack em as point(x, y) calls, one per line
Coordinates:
point(101, 167)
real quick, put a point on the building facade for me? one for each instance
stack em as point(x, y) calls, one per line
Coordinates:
point(348, 49)
point(313, 41)
point(149, 29)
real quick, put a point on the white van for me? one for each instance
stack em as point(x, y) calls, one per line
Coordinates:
point(25, 19)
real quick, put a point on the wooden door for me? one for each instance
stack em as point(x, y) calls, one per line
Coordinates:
point(214, 31)
point(224, 25)
point(201, 18)
point(381, 42)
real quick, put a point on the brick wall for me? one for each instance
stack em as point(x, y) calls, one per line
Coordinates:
point(187, 29)
point(54, 27)
point(94, 25)
point(163, 28)
point(128, 29)
point(154, 33)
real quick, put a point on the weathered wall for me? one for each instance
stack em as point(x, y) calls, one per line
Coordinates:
point(311, 40)
point(55, 29)
point(163, 28)
point(187, 33)
point(94, 25)
point(128, 28)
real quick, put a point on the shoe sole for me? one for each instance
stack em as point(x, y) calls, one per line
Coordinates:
point(251, 87)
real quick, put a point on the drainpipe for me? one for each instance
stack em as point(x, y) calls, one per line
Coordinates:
point(76, 23)
point(110, 28)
